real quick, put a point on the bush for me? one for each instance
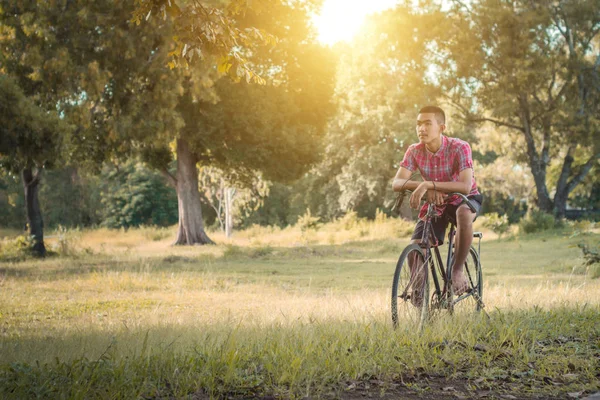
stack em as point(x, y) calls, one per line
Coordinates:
point(233, 251)
point(537, 221)
point(498, 224)
point(258, 231)
point(67, 240)
point(582, 226)
point(350, 220)
point(155, 233)
point(307, 221)
point(134, 195)
point(380, 217)
point(17, 249)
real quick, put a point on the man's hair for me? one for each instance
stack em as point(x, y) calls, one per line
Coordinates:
point(440, 115)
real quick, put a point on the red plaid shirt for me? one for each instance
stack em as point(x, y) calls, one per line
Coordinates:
point(453, 156)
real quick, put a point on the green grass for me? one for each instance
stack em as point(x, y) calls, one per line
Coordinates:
point(299, 320)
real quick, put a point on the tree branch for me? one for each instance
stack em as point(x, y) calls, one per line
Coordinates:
point(459, 106)
point(35, 179)
point(585, 169)
point(593, 34)
point(561, 184)
point(536, 165)
point(463, 5)
point(170, 178)
point(546, 142)
point(497, 122)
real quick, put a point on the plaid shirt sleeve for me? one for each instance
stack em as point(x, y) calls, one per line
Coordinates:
point(409, 161)
point(465, 157)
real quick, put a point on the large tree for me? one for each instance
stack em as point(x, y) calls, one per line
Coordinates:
point(242, 127)
point(28, 144)
point(534, 69)
point(38, 74)
point(130, 89)
point(56, 53)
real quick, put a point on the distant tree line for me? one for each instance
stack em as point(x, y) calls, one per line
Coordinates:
point(112, 113)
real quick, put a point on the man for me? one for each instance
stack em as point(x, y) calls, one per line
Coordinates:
point(446, 165)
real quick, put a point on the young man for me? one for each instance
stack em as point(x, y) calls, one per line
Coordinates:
point(446, 166)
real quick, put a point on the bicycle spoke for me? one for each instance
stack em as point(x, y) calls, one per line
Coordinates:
point(410, 290)
point(471, 300)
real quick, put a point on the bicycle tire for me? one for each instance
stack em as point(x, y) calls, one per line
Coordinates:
point(407, 309)
point(475, 277)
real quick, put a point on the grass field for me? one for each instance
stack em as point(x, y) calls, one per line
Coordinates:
point(291, 314)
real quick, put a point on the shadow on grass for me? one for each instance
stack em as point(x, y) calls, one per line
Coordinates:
point(531, 354)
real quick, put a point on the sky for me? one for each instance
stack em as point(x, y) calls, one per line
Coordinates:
point(340, 20)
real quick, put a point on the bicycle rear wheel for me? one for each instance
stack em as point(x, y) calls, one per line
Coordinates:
point(410, 289)
point(473, 298)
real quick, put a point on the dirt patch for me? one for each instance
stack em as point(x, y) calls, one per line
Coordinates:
point(440, 387)
point(426, 387)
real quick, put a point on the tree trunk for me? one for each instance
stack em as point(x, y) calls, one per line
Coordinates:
point(560, 204)
point(229, 193)
point(35, 223)
point(191, 226)
point(537, 162)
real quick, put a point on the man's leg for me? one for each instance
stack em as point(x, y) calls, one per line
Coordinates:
point(463, 240)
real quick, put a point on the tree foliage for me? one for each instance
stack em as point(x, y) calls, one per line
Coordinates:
point(211, 29)
point(381, 83)
point(533, 68)
point(133, 195)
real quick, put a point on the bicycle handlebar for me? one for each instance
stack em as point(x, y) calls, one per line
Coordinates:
point(464, 198)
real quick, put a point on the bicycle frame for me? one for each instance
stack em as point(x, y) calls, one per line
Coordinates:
point(404, 285)
point(432, 251)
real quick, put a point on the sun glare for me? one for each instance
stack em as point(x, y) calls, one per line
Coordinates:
point(340, 20)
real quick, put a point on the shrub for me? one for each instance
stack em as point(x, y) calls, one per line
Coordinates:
point(307, 221)
point(261, 251)
point(403, 228)
point(349, 221)
point(537, 221)
point(134, 195)
point(259, 231)
point(498, 224)
point(594, 271)
point(233, 251)
point(17, 249)
point(67, 240)
point(582, 226)
point(155, 233)
point(380, 217)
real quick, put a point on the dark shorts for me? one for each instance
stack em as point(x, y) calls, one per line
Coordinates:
point(439, 224)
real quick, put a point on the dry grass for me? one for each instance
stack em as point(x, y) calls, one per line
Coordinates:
point(271, 286)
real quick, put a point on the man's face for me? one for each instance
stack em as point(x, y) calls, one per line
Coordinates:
point(428, 128)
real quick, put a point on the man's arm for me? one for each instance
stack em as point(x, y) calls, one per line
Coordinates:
point(462, 186)
point(402, 180)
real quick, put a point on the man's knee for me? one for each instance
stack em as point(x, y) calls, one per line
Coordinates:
point(464, 216)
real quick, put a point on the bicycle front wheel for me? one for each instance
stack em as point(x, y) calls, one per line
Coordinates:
point(410, 289)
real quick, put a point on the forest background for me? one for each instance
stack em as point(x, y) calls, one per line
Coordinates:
point(108, 122)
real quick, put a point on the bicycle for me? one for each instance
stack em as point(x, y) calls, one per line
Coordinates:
point(410, 288)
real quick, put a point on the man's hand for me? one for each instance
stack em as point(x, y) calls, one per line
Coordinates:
point(417, 195)
point(433, 196)
point(436, 197)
